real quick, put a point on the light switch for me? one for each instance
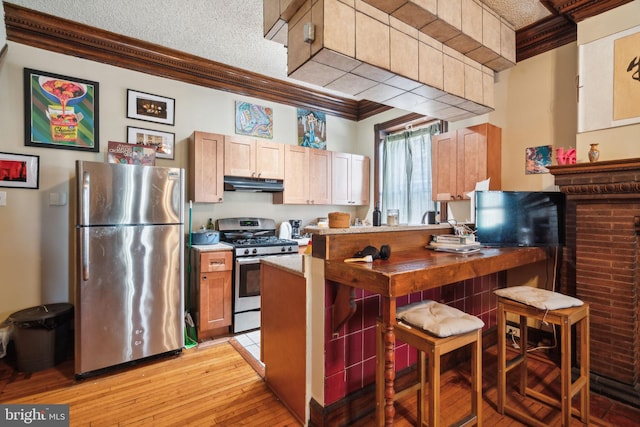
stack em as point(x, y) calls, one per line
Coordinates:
point(3, 198)
point(57, 199)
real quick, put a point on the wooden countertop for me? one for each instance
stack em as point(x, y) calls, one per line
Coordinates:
point(410, 271)
point(292, 263)
point(212, 248)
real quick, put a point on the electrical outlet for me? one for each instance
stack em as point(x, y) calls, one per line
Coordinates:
point(513, 331)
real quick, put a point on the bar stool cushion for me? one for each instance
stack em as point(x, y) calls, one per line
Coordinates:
point(438, 319)
point(539, 298)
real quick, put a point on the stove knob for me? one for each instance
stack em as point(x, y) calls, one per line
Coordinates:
point(289, 248)
point(246, 251)
point(255, 251)
point(283, 249)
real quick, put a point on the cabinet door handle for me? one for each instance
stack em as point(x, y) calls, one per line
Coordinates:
point(216, 262)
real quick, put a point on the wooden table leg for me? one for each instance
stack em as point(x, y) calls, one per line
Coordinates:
point(389, 319)
point(389, 374)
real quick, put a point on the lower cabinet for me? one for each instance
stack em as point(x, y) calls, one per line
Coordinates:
point(213, 278)
point(283, 336)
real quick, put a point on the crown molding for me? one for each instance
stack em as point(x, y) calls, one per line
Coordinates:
point(59, 35)
point(561, 27)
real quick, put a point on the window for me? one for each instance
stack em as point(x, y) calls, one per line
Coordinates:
point(403, 171)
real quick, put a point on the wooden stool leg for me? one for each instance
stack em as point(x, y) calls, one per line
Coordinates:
point(565, 372)
point(422, 377)
point(502, 357)
point(524, 339)
point(434, 387)
point(476, 378)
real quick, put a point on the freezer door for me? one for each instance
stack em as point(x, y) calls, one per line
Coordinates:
point(129, 298)
point(111, 194)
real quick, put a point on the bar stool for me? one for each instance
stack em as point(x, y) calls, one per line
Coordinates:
point(435, 329)
point(550, 308)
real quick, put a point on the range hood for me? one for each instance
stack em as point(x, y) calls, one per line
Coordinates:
point(237, 183)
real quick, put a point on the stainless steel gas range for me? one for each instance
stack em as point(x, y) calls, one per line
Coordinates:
point(252, 239)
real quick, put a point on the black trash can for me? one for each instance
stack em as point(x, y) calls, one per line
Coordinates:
point(42, 335)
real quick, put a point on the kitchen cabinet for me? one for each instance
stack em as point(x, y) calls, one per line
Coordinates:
point(251, 158)
point(350, 183)
point(205, 174)
point(307, 176)
point(213, 278)
point(463, 157)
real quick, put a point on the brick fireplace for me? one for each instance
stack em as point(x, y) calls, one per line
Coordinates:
point(601, 266)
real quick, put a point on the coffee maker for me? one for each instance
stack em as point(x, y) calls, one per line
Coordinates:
point(295, 228)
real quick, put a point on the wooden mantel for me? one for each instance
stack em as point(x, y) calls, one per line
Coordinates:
point(601, 266)
point(608, 178)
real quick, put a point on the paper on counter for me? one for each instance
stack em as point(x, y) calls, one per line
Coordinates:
point(480, 186)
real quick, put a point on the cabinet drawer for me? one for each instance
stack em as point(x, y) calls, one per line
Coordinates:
point(216, 261)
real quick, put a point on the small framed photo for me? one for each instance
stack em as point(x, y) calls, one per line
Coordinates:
point(60, 111)
point(150, 108)
point(163, 141)
point(19, 171)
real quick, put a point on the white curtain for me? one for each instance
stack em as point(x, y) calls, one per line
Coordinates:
point(406, 176)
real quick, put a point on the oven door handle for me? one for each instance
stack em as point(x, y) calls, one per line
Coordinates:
point(248, 260)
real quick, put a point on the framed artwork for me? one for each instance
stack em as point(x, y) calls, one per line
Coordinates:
point(609, 81)
point(538, 159)
point(626, 77)
point(254, 120)
point(19, 171)
point(150, 108)
point(60, 111)
point(163, 141)
point(312, 129)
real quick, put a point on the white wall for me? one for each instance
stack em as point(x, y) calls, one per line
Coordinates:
point(614, 143)
point(35, 245)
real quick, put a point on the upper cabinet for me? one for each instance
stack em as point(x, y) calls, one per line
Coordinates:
point(310, 176)
point(463, 157)
point(251, 158)
point(350, 184)
point(205, 175)
point(307, 177)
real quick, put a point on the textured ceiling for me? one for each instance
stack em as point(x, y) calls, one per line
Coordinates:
point(519, 13)
point(230, 31)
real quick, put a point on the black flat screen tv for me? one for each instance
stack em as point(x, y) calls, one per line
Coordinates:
point(520, 218)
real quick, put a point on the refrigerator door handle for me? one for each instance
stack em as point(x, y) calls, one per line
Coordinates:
point(85, 199)
point(85, 253)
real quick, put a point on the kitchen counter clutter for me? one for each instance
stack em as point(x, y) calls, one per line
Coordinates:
point(370, 229)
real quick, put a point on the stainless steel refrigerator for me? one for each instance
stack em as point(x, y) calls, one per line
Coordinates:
point(129, 264)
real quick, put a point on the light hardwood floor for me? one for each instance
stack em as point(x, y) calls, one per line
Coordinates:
point(208, 385)
point(213, 385)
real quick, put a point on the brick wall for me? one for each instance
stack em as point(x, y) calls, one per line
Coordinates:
point(600, 266)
